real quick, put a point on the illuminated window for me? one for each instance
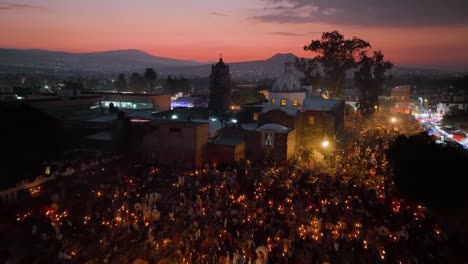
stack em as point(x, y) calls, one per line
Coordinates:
point(295, 102)
point(311, 120)
point(255, 116)
point(283, 102)
point(272, 100)
point(268, 139)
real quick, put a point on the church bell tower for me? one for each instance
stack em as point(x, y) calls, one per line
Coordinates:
point(220, 88)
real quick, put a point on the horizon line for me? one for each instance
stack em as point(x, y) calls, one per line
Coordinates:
point(215, 60)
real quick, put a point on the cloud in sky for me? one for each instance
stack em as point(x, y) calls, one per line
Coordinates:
point(398, 13)
point(217, 14)
point(10, 6)
point(291, 34)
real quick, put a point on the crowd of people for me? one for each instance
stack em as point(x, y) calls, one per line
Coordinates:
point(323, 205)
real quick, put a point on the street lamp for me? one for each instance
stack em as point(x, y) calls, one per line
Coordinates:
point(393, 120)
point(325, 143)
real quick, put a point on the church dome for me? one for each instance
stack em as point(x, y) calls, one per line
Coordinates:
point(287, 82)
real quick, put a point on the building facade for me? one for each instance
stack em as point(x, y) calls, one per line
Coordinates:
point(176, 143)
point(400, 99)
point(137, 101)
point(310, 117)
point(292, 119)
point(457, 102)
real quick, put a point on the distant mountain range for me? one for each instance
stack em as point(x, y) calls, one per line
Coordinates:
point(259, 69)
point(114, 60)
point(127, 61)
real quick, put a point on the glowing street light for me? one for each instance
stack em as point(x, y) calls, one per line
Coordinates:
point(325, 143)
point(174, 116)
point(393, 120)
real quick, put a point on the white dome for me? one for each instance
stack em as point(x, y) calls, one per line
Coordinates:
point(287, 82)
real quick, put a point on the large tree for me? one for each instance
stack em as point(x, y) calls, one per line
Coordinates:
point(336, 55)
point(460, 83)
point(137, 82)
point(369, 79)
point(175, 85)
point(310, 70)
point(456, 117)
point(121, 83)
point(150, 76)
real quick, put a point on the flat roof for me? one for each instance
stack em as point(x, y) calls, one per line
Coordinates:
point(106, 118)
point(103, 135)
point(183, 122)
point(228, 140)
point(130, 94)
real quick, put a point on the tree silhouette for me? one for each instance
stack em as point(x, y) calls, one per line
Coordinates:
point(121, 83)
point(337, 55)
point(310, 70)
point(456, 117)
point(174, 85)
point(137, 82)
point(460, 83)
point(150, 76)
point(369, 79)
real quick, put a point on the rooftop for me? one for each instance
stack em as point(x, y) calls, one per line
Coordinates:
point(180, 122)
point(228, 140)
point(127, 94)
point(319, 103)
point(287, 109)
point(274, 127)
point(103, 135)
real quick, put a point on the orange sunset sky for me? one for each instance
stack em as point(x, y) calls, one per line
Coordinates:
point(418, 33)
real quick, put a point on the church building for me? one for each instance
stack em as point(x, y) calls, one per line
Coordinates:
point(293, 118)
